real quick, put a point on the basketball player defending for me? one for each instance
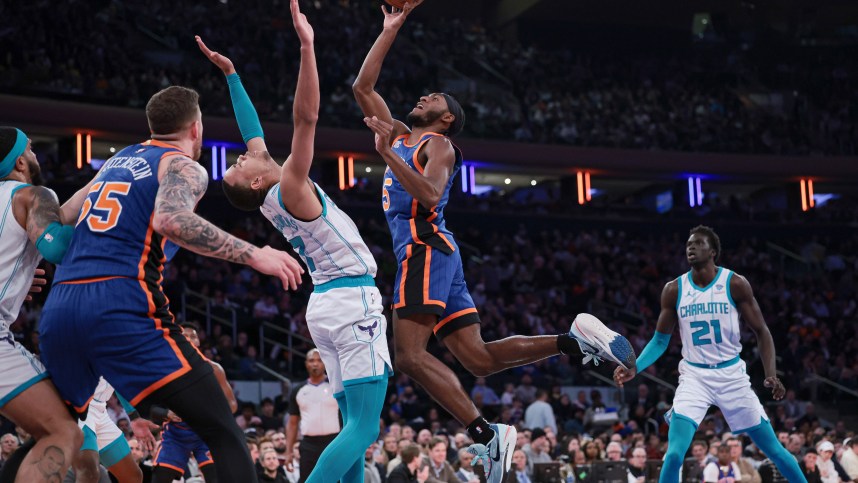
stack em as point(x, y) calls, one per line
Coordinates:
point(430, 294)
point(107, 314)
point(707, 302)
point(344, 314)
point(179, 441)
point(104, 443)
point(30, 228)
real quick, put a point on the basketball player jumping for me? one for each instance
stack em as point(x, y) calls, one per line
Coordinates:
point(30, 228)
point(430, 292)
point(107, 313)
point(707, 303)
point(179, 441)
point(344, 314)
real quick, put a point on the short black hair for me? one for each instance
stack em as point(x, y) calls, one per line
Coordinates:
point(456, 110)
point(190, 324)
point(709, 233)
point(243, 197)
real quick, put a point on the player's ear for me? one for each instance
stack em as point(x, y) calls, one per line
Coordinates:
point(448, 117)
point(256, 183)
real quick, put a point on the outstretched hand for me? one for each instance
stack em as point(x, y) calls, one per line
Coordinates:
point(777, 387)
point(222, 61)
point(382, 132)
point(623, 375)
point(395, 17)
point(302, 26)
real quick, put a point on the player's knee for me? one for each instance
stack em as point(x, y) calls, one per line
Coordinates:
point(86, 467)
point(407, 362)
point(673, 457)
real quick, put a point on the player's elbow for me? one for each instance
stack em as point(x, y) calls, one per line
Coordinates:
point(165, 224)
point(361, 88)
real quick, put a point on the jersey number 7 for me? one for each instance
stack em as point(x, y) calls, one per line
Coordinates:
point(103, 214)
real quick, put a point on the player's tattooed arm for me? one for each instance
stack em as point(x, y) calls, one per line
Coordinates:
point(39, 208)
point(182, 186)
point(749, 309)
point(183, 183)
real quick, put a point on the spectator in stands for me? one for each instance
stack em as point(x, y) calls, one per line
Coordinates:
point(272, 470)
point(724, 470)
point(540, 414)
point(281, 446)
point(637, 465)
point(525, 391)
point(389, 446)
point(521, 467)
point(700, 458)
point(269, 420)
point(538, 451)
point(407, 470)
point(248, 418)
point(141, 458)
point(795, 445)
point(396, 461)
point(489, 396)
point(440, 471)
point(614, 451)
point(294, 476)
point(371, 473)
point(466, 473)
point(591, 452)
point(825, 463)
point(508, 394)
point(849, 458)
point(809, 468)
point(8, 444)
point(749, 473)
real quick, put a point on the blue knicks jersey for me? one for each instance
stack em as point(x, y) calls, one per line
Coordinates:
point(114, 236)
point(409, 221)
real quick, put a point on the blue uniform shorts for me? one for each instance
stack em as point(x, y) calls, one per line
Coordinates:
point(112, 328)
point(178, 444)
point(430, 281)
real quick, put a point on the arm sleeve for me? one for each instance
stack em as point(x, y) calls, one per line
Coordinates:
point(54, 242)
point(245, 113)
point(653, 350)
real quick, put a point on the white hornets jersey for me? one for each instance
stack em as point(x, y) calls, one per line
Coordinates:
point(708, 320)
point(330, 245)
point(103, 391)
point(18, 258)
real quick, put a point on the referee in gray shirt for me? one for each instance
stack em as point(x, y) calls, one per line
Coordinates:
point(313, 409)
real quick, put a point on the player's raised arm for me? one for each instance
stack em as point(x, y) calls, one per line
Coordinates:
point(245, 113)
point(749, 309)
point(182, 185)
point(370, 101)
point(305, 113)
point(667, 320)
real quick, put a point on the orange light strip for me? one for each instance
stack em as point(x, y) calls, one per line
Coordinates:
point(803, 196)
point(587, 186)
point(79, 151)
point(88, 149)
point(580, 188)
point(351, 172)
point(810, 200)
point(342, 173)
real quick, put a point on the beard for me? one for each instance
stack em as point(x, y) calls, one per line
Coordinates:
point(36, 178)
point(423, 120)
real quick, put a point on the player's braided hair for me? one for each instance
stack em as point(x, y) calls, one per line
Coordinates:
point(709, 233)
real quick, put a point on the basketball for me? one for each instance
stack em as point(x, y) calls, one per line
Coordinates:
point(396, 3)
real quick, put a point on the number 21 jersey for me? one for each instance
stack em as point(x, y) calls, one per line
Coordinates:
point(708, 320)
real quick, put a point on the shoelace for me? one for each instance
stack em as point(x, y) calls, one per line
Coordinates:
point(589, 354)
point(481, 455)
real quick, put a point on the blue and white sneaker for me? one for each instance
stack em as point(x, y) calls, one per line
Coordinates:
point(598, 342)
point(497, 456)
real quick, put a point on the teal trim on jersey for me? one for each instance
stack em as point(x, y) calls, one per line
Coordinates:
point(343, 239)
point(678, 293)
point(321, 200)
point(129, 409)
point(114, 452)
point(729, 294)
point(361, 380)
point(12, 275)
point(90, 440)
point(20, 186)
point(719, 365)
point(717, 275)
point(685, 418)
point(763, 422)
point(365, 314)
point(355, 281)
point(23, 387)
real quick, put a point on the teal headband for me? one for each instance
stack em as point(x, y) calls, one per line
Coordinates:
point(8, 163)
